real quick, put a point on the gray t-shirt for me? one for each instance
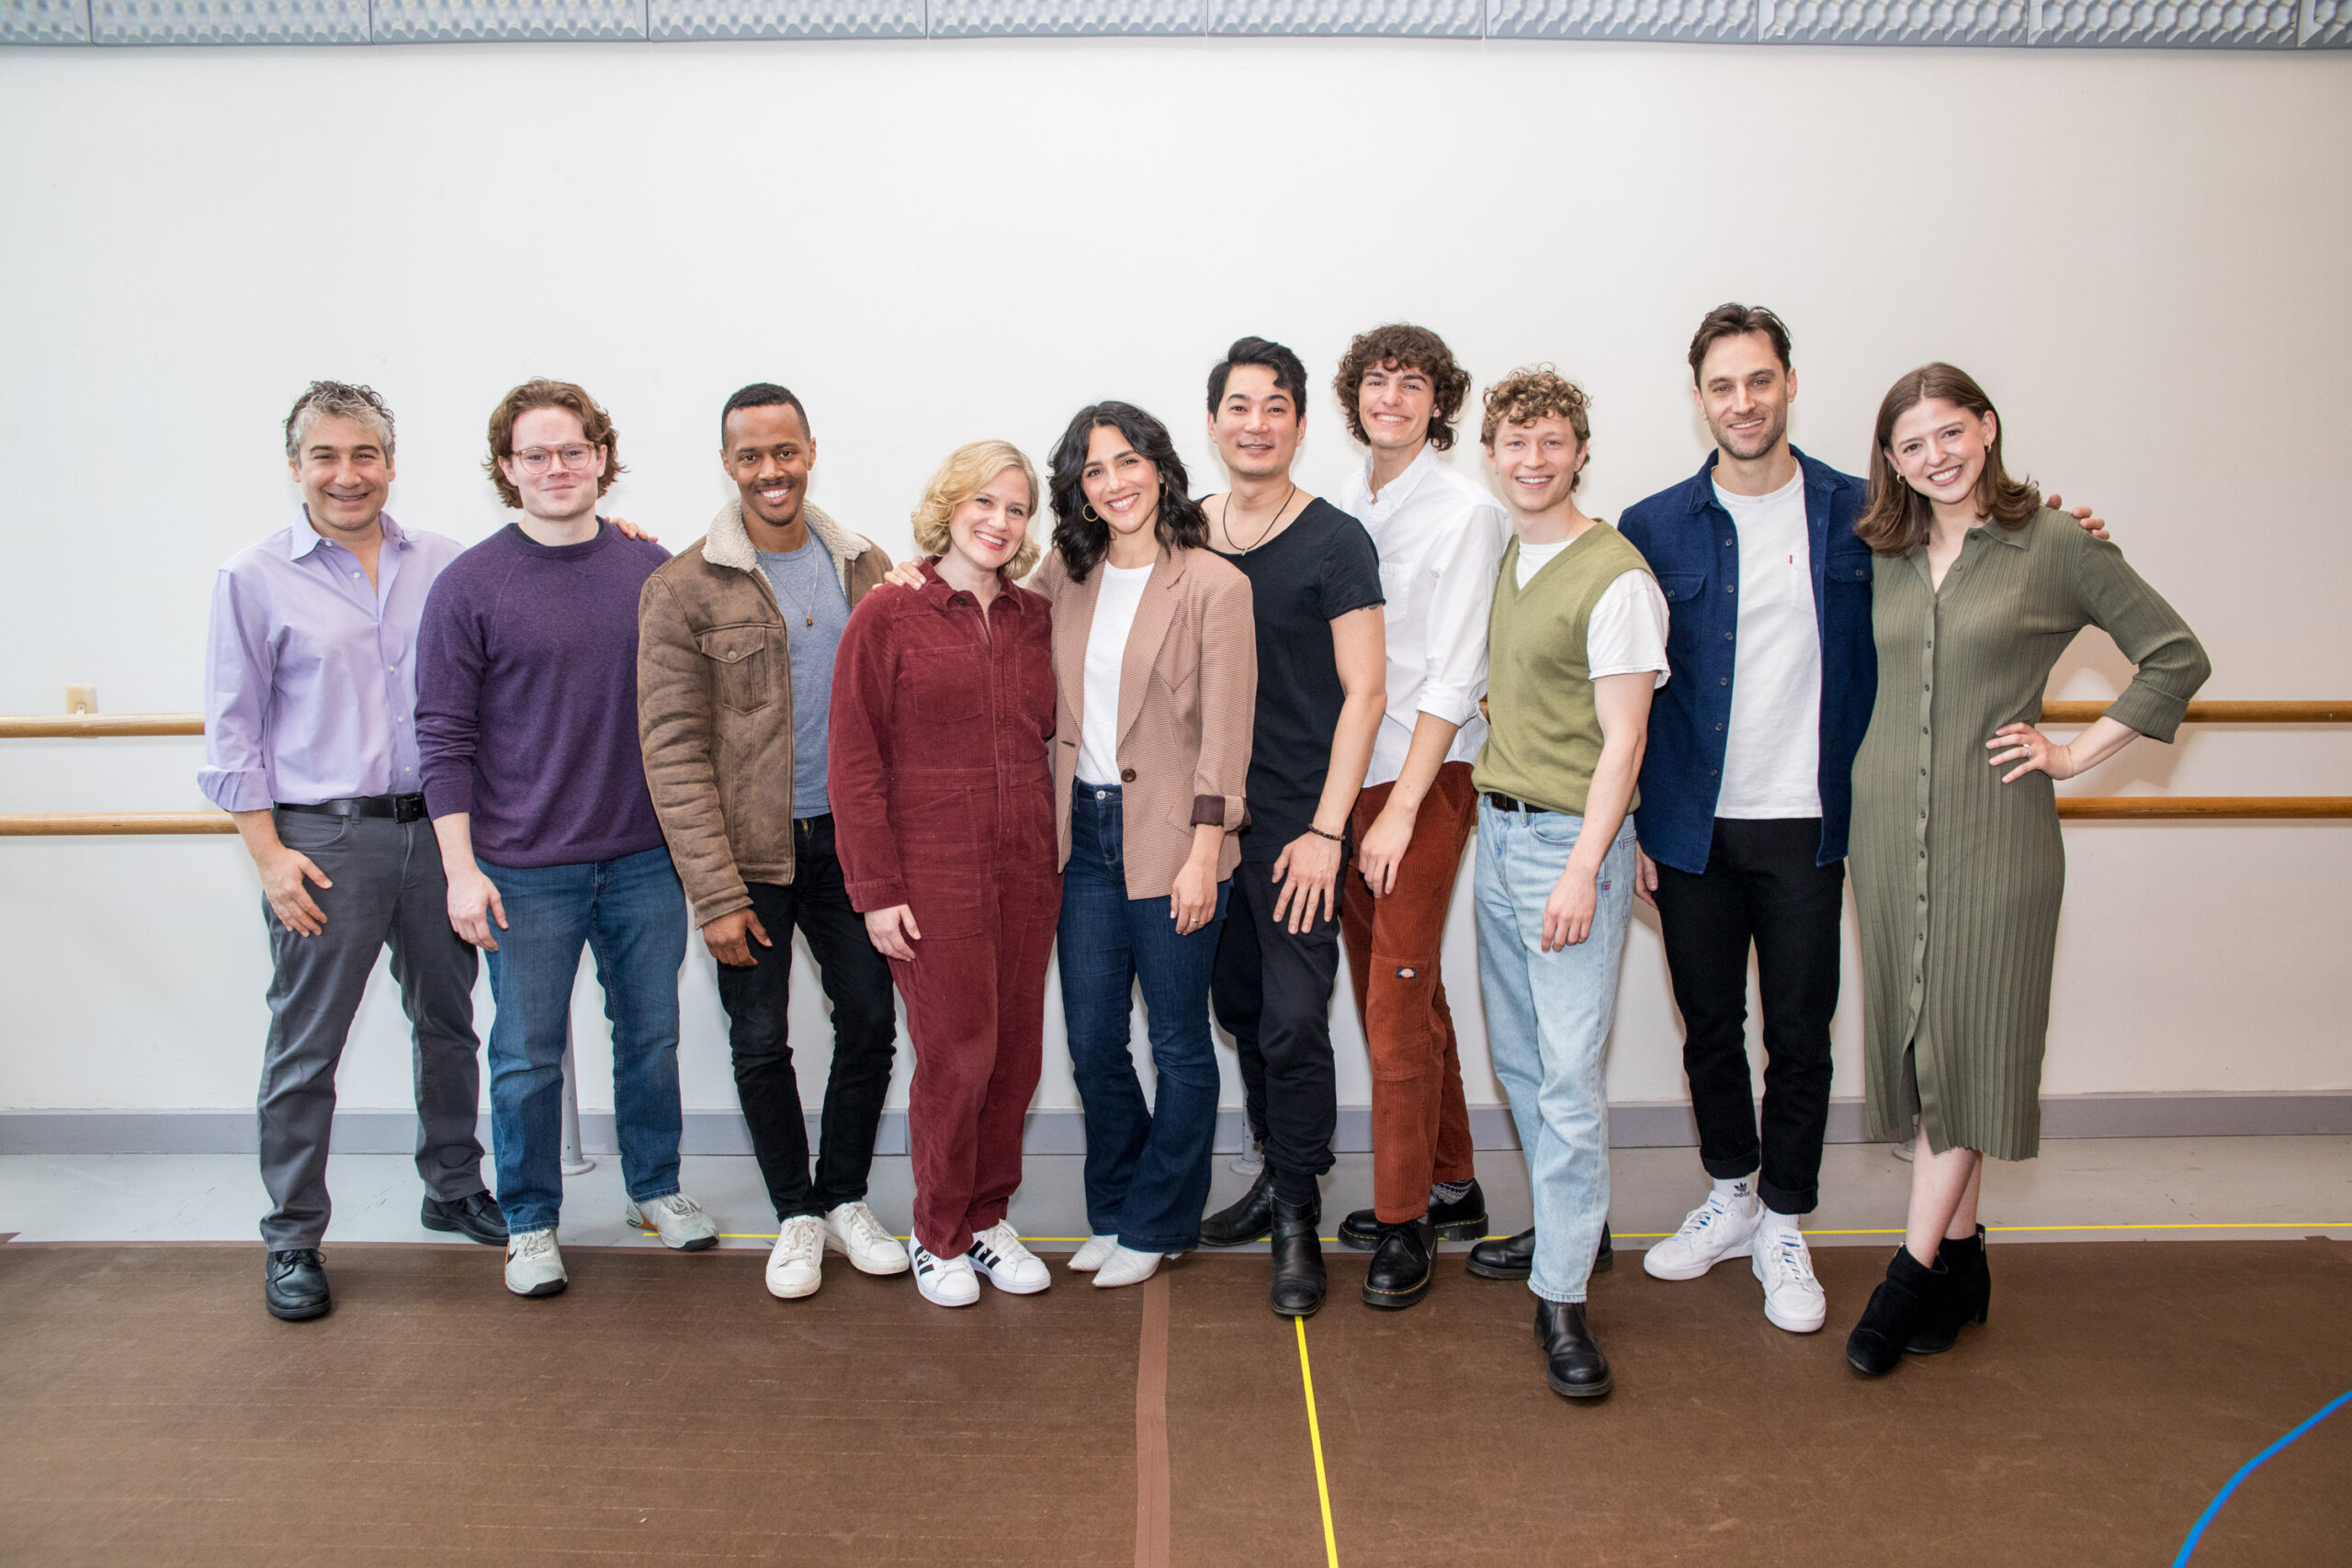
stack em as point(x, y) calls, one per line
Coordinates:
point(809, 590)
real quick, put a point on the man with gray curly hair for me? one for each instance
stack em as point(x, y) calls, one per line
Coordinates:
point(310, 746)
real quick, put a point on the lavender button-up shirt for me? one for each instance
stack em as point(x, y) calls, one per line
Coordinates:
point(310, 672)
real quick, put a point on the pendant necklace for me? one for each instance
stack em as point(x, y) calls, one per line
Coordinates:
point(1242, 550)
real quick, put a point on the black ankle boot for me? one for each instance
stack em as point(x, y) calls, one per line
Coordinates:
point(1249, 1218)
point(1513, 1256)
point(1402, 1269)
point(1573, 1364)
point(1906, 1299)
point(1465, 1219)
point(1298, 1289)
point(1967, 1297)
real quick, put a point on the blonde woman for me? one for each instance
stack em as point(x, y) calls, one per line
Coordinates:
point(942, 786)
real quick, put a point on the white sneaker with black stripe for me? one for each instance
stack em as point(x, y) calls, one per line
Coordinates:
point(943, 1281)
point(1012, 1267)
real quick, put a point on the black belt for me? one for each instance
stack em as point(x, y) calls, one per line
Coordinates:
point(399, 807)
point(1505, 803)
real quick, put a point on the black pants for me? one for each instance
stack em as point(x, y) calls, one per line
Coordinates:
point(865, 1031)
point(1273, 992)
point(1761, 888)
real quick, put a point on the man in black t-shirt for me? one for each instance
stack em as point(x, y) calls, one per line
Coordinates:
point(1322, 668)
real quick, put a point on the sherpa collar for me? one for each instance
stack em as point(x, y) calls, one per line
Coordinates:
point(729, 543)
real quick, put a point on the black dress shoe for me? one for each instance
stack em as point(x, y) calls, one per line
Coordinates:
point(1298, 1289)
point(1905, 1302)
point(1573, 1364)
point(476, 1216)
point(1465, 1219)
point(1403, 1269)
point(1967, 1297)
point(294, 1285)
point(1513, 1257)
point(1248, 1218)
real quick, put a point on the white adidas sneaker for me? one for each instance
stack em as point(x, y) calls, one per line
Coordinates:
point(851, 1230)
point(1711, 1232)
point(1004, 1262)
point(1792, 1298)
point(943, 1281)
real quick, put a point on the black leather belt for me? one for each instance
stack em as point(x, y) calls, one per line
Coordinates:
point(399, 807)
point(1505, 803)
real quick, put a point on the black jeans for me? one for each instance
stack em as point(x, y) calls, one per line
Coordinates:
point(1272, 993)
point(1761, 888)
point(865, 1031)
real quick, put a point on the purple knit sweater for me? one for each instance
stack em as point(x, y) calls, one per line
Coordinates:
point(527, 698)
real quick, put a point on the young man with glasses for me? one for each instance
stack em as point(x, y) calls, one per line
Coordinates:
point(527, 719)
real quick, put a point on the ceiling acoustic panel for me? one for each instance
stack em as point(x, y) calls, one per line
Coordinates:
point(506, 21)
point(1066, 18)
point(228, 21)
point(673, 20)
point(2327, 24)
point(1911, 22)
point(1656, 21)
point(44, 21)
point(2147, 24)
point(1348, 18)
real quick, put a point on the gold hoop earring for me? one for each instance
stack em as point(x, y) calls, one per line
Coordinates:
point(1086, 511)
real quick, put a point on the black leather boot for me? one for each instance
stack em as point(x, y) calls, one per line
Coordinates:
point(1465, 1219)
point(1967, 1296)
point(1404, 1267)
point(1248, 1218)
point(1298, 1284)
point(1906, 1301)
point(1513, 1257)
point(294, 1285)
point(1573, 1364)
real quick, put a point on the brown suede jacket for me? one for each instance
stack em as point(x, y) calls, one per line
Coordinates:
point(714, 706)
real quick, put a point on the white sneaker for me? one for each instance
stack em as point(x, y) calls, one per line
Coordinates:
point(1124, 1267)
point(1792, 1298)
point(943, 1281)
point(1093, 1255)
point(797, 1266)
point(1711, 1233)
point(1012, 1267)
point(851, 1230)
point(677, 1219)
point(533, 1266)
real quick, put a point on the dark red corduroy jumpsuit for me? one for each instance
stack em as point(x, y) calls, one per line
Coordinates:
point(939, 772)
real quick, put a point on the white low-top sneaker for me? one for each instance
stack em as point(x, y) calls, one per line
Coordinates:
point(851, 1230)
point(1012, 1267)
point(943, 1281)
point(534, 1263)
point(1711, 1233)
point(677, 1219)
point(796, 1267)
point(1093, 1254)
point(1125, 1267)
point(1792, 1298)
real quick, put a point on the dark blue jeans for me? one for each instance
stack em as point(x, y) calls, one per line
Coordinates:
point(631, 914)
point(1147, 1166)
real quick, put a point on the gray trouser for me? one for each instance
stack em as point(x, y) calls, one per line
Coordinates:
point(389, 888)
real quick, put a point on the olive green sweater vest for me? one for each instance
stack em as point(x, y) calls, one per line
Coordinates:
point(1545, 740)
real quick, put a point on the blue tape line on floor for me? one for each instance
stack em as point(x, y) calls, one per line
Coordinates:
point(2197, 1532)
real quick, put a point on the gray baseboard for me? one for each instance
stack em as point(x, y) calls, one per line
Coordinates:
point(1654, 1124)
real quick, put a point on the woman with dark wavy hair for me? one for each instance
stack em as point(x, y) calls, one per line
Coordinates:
point(1956, 862)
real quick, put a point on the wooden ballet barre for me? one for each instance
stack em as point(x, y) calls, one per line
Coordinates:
point(2217, 713)
point(55, 825)
point(2286, 808)
point(46, 725)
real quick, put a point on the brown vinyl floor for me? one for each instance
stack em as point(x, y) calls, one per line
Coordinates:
point(666, 1411)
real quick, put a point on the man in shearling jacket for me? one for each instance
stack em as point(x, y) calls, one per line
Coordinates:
point(735, 670)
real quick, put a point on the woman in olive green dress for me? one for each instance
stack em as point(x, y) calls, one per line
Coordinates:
point(1957, 860)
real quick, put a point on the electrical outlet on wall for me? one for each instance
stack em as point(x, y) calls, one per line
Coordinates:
point(81, 699)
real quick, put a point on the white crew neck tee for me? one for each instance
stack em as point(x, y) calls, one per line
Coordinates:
point(1772, 752)
point(1115, 603)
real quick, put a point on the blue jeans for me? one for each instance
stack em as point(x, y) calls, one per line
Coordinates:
point(632, 914)
point(1147, 1167)
point(1547, 1020)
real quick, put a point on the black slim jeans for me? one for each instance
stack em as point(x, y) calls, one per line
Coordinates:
point(1272, 993)
point(865, 1031)
point(1760, 887)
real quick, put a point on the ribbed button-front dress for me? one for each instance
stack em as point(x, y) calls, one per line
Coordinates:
point(1958, 877)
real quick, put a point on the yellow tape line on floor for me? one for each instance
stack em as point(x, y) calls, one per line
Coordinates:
point(1314, 1436)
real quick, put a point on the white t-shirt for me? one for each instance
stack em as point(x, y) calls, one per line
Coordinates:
point(1106, 649)
point(1626, 633)
point(1772, 753)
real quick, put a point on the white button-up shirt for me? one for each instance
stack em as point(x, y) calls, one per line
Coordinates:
point(1440, 538)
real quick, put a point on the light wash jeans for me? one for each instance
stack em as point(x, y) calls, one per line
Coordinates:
point(1547, 1020)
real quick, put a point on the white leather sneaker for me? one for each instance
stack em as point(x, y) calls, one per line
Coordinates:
point(1093, 1255)
point(796, 1267)
point(534, 1263)
point(851, 1230)
point(1711, 1233)
point(1792, 1298)
point(1125, 1267)
point(1012, 1267)
point(677, 1219)
point(943, 1281)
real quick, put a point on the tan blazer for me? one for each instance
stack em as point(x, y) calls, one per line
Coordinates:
point(1188, 696)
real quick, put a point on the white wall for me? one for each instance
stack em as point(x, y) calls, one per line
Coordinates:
point(2140, 254)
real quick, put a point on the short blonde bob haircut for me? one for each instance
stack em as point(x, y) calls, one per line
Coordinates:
point(968, 470)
